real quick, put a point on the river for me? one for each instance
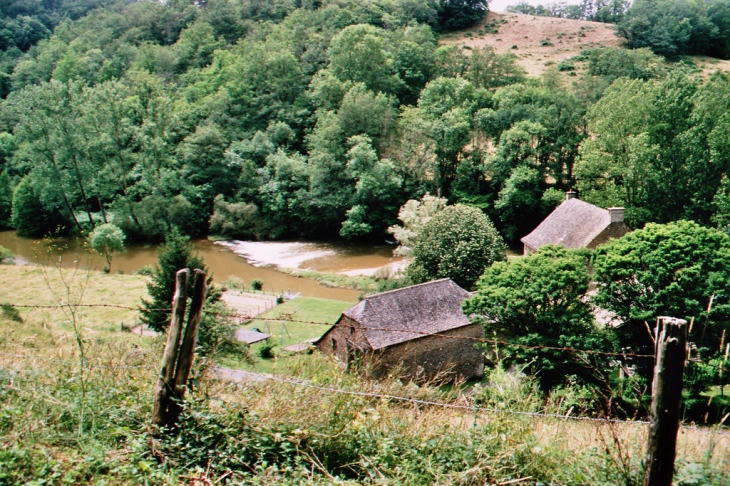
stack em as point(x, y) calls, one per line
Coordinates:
point(247, 260)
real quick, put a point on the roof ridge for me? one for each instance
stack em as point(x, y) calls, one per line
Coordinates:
point(408, 287)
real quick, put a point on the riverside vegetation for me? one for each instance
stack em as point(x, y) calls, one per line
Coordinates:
point(321, 119)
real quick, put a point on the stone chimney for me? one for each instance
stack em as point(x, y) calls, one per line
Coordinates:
point(570, 195)
point(616, 214)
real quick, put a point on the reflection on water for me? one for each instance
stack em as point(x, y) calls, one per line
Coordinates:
point(223, 262)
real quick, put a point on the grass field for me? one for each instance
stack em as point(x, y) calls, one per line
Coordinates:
point(276, 322)
point(53, 325)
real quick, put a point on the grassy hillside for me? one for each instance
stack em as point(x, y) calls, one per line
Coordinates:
point(66, 421)
point(542, 42)
point(538, 42)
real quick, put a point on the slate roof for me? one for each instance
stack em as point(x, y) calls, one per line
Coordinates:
point(430, 308)
point(250, 337)
point(573, 224)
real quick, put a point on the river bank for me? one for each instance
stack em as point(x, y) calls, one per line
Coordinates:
point(337, 271)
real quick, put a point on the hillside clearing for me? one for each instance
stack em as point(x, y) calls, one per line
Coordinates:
point(540, 41)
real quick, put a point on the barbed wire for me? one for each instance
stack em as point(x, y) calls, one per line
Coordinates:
point(456, 406)
point(247, 318)
point(86, 364)
point(381, 396)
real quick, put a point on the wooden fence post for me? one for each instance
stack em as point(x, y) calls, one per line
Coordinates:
point(187, 349)
point(165, 380)
point(671, 352)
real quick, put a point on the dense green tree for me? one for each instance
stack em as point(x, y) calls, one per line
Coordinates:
point(674, 27)
point(539, 300)
point(678, 269)
point(362, 54)
point(458, 14)
point(106, 239)
point(611, 63)
point(459, 242)
point(30, 216)
point(6, 200)
point(657, 148)
point(177, 253)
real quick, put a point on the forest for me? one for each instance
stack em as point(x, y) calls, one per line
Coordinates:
point(268, 120)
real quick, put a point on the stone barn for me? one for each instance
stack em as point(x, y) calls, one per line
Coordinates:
point(577, 224)
point(417, 328)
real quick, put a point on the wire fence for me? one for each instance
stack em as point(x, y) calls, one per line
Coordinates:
point(229, 375)
point(411, 332)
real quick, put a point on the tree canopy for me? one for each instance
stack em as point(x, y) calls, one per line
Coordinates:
point(679, 269)
point(459, 242)
point(536, 301)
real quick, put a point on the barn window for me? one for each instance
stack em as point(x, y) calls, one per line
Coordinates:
point(334, 343)
point(352, 330)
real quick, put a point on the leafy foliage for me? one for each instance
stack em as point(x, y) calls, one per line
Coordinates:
point(105, 240)
point(6, 256)
point(674, 27)
point(30, 217)
point(459, 242)
point(458, 14)
point(679, 269)
point(539, 300)
point(414, 215)
point(176, 254)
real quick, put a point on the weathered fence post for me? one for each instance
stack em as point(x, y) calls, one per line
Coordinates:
point(187, 349)
point(177, 359)
point(165, 381)
point(671, 352)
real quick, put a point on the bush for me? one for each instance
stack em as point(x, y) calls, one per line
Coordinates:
point(6, 256)
point(234, 282)
point(266, 350)
point(566, 66)
point(234, 220)
point(458, 243)
point(105, 239)
point(257, 284)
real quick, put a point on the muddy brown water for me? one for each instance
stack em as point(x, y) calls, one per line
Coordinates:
point(223, 262)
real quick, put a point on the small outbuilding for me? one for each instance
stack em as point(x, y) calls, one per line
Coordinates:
point(420, 329)
point(577, 224)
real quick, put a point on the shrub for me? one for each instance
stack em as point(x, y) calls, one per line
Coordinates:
point(6, 256)
point(566, 66)
point(234, 282)
point(458, 243)
point(257, 284)
point(266, 350)
point(177, 253)
point(105, 239)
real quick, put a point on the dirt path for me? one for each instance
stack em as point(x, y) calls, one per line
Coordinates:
point(238, 375)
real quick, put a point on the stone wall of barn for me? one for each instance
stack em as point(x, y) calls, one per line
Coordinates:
point(421, 359)
point(612, 231)
point(345, 341)
point(427, 357)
